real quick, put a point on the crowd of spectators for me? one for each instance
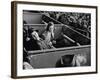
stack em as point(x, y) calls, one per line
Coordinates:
point(76, 20)
point(80, 21)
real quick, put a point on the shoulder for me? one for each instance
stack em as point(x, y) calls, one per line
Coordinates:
point(45, 33)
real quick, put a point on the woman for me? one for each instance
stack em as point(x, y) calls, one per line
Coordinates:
point(48, 35)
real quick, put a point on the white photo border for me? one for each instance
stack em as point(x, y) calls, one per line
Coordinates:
point(54, 71)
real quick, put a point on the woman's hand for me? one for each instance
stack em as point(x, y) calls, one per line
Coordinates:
point(53, 42)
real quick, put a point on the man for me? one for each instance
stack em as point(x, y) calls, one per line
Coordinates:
point(72, 60)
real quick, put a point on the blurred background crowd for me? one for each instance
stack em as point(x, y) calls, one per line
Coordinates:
point(75, 20)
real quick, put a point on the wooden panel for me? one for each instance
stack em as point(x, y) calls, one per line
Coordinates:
point(83, 40)
point(48, 60)
point(32, 18)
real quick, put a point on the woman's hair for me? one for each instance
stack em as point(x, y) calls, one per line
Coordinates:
point(48, 26)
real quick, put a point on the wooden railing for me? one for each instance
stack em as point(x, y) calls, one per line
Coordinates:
point(48, 58)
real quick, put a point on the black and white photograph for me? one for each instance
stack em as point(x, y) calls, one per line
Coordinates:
point(44, 30)
point(53, 39)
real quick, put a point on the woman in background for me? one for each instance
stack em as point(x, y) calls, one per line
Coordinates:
point(48, 35)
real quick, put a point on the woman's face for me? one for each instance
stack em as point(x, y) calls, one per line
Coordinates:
point(35, 35)
point(51, 28)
